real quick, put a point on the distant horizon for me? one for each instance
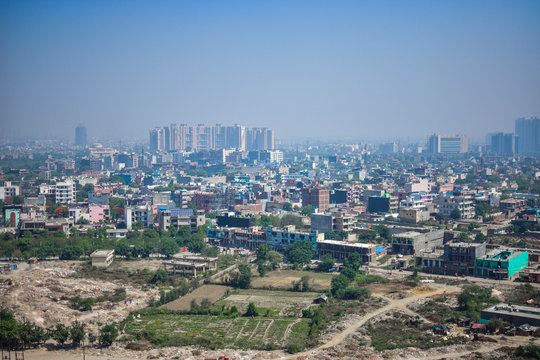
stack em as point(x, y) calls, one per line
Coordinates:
point(325, 70)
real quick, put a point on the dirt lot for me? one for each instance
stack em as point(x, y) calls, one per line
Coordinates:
point(283, 280)
point(41, 294)
point(210, 292)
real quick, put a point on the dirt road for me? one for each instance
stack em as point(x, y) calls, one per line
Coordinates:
point(393, 304)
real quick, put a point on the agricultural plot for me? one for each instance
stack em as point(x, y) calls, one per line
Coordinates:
point(284, 279)
point(221, 331)
point(283, 303)
point(210, 292)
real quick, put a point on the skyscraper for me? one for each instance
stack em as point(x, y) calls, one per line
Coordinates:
point(504, 144)
point(80, 136)
point(528, 132)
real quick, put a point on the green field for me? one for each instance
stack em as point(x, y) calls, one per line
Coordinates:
point(220, 331)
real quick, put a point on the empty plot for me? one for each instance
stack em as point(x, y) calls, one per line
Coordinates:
point(210, 292)
point(284, 280)
point(285, 303)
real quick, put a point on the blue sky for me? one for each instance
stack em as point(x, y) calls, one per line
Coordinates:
point(319, 69)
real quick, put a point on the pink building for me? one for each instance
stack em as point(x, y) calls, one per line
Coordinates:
point(98, 213)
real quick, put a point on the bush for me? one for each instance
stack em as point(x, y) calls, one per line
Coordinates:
point(354, 294)
point(251, 310)
point(107, 335)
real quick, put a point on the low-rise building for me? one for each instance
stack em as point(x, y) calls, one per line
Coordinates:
point(340, 250)
point(501, 264)
point(411, 242)
point(102, 258)
point(280, 238)
point(515, 314)
point(456, 259)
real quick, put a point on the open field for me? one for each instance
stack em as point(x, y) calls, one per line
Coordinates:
point(284, 303)
point(210, 292)
point(283, 279)
point(221, 331)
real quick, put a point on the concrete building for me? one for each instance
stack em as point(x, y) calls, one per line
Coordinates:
point(448, 144)
point(501, 264)
point(457, 259)
point(464, 203)
point(63, 192)
point(190, 264)
point(9, 190)
point(168, 218)
point(280, 238)
point(413, 215)
point(412, 242)
point(336, 221)
point(418, 185)
point(227, 220)
point(504, 144)
point(340, 250)
point(382, 204)
point(134, 214)
point(515, 314)
point(528, 132)
point(80, 136)
point(102, 258)
point(244, 238)
point(317, 197)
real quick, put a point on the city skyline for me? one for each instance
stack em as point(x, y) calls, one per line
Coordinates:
point(321, 71)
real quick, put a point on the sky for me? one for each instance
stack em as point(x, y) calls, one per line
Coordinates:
point(307, 69)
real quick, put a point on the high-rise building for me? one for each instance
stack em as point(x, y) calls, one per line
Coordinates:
point(80, 136)
point(504, 144)
point(201, 137)
point(448, 144)
point(528, 132)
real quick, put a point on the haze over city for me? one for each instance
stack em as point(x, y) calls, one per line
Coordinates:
point(322, 70)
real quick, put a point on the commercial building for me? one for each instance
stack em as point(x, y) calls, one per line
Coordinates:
point(448, 144)
point(501, 264)
point(80, 136)
point(249, 238)
point(102, 258)
point(412, 242)
point(340, 250)
point(219, 199)
point(388, 148)
point(528, 132)
point(317, 197)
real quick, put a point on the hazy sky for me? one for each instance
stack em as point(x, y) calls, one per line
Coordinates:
point(323, 69)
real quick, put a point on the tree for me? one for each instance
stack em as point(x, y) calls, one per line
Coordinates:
point(262, 252)
point(160, 276)
point(455, 214)
point(274, 258)
point(251, 310)
point(353, 261)
point(261, 268)
point(77, 332)
point(480, 237)
point(287, 206)
point(306, 210)
point(330, 235)
point(168, 247)
point(244, 280)
point(300, 252)
point(71, 253)
point(327, 262)
point(107, 335)
point(60, 334)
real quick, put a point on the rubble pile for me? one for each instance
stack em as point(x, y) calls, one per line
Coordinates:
point(42, 295)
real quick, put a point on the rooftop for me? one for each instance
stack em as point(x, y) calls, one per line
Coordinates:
point(345, 243)
point(101, 253)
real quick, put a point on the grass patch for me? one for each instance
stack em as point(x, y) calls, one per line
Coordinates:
point(383, 259)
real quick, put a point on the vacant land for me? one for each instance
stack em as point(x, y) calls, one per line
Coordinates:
point(283, 303)
point(220, 331)
point(210, 292)
point(284, 279)
point(396, 333)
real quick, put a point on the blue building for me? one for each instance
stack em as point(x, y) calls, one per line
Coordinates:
point(283, 237)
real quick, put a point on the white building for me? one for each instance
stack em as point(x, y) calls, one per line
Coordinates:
point(465, 205)
point(62, 192)
point(134, 214)
point(9, 190)
point(102, 258)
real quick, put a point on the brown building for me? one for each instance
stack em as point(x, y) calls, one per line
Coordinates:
point(316, 197)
